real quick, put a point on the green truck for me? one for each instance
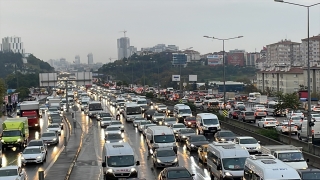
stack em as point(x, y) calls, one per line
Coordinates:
point(15, 133)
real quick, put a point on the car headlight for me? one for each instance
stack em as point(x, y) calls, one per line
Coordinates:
point(106, 132)
point(222, 139)
point(133, 169)
point(158, 160)
point(59, 130)
point(183, 136)
point(39, 157)
point(259, 147)
point(120, 141)
point(122, 126)
point(204, 127)
point(192, 145)
point(149, 115)
point(206, 156)
point(189, 123)
point(2, 140)
point(18, 140)
point(107, 141)
point(168, 110)
point(228, 174)
point(102, 122)
point(175, 160)
point(218, 127)
point(54, 139)
point(110, 170)
point(119, 132)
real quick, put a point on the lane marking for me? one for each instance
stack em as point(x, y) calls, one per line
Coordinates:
point(54, 160)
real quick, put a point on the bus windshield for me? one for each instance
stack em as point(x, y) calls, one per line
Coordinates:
point(133, 110)
point(95, 107)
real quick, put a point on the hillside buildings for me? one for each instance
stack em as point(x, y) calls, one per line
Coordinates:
point(90, 58)
point(314, 45)
point(12, 44)
point(124, 48)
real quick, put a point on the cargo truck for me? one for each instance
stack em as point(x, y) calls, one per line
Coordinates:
point(30, 109)
point(289, 154)
point(15, 133)
point(54, 102)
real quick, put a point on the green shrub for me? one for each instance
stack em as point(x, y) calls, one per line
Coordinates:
point(192, 106)
point(149, 95)
point(270, 133)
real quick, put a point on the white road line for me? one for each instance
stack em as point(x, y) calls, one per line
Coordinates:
point(54, 160)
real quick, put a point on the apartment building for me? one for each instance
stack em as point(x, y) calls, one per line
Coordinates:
point(280, 78)
point(284, 51)
point(314, 78)
point(314, 50)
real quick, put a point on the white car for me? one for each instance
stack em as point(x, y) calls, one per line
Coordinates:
point(144, 132)
point(292, 113)
point(12, 173)
point(117, 123)
point(112, 129)
point(267, 122)
point(105, 121)
point(141, 125)
point(251, 144)
point(315, 117)
point(315, 108)
point(176, 127)
point(162, 108)
point(284, 127)
point(54, 127)
point(297, 120)
point(198, 104)
point(158, 117)
point(137, 120)
point(259, 107)
point(33, 154)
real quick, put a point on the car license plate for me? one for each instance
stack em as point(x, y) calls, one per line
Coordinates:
point(212, 131)
point(10, 145)
point(122, 178)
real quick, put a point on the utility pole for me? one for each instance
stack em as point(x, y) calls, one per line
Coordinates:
point(15, 71)
point(67, 102)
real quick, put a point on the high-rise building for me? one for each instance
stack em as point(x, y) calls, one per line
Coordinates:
point(12, 44)
point(77, 59)
point(90, 58)
point(284, 52)
point(123, 47)
point(314, 50)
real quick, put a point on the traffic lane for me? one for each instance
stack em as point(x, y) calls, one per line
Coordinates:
point(13, 157)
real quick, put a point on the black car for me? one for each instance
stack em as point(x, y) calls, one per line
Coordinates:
point(149, 114)
point(241, 107)
point(174, 173)
point(225, 135)
point(193, 142)
point(144, 108)
point(309, 174)
point(169, 111)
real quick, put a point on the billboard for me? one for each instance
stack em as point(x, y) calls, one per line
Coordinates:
point(83, 78)
point(175, 77)
point(214, 60)
point(235, 59)
point(48, 79)
point(193, 78)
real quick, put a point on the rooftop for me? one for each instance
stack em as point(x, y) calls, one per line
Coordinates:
point(284, 42)
point(291, 71)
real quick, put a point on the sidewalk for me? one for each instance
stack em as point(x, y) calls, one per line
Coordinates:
point(60, 168)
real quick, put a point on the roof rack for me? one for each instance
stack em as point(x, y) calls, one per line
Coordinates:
point(262, 156)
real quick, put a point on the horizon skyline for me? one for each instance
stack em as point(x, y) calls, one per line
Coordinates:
point(80, 27)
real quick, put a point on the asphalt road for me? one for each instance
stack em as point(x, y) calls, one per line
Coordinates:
point(12, 156)
point(137, 141)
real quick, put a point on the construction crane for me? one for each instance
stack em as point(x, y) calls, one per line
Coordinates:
point(124, 32)
point(110, 58)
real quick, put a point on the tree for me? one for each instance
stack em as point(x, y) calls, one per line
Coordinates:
point(287, 100)
point(2, 93)
point(23, 92)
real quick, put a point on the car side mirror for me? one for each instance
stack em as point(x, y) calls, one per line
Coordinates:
point(163, 176)
point(138, 163)
point(307, 160)
point(192, 174)
point(258, 142)
point(104, 164)
point(219, 167)
point(151, 141)
point(201, 124)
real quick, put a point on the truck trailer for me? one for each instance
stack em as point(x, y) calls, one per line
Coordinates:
point(15, 133)
point(30, 109)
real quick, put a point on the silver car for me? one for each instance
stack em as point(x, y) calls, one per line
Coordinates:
point(50, 138)
point(113, 138)
point(158, 117)
point(184, 133)
point(164, 157)
point(141, 125)
point(137, 120)
point(105, 121)
point(117, 123)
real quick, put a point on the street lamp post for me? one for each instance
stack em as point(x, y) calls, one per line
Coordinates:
point(308, 73)
point(224, 65)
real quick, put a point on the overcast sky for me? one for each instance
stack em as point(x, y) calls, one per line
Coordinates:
point(64, 28)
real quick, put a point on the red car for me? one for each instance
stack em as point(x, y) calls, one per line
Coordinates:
point(190, 121)
point(234, 114)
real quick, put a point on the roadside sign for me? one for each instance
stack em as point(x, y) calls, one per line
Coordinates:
point(225, 113)
point(180, 100)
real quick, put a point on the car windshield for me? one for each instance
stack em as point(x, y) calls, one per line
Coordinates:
point(190, 118)
point(48, 135)
point(43, 107)
point(32, 151)
point(296, 118)
point(177, 174)
point(144, 122)
point(133, 110)
point(105, 115)
point(164, 139)
point(149, 125)
point(114, 136)
point(291, 157)
point(106, 119)
point(141, 102)
point(233, 163)
point(11, 133)
point(187, 130)
point(112, 129)
point(53, 126)
point(227, 134)
point(115, 123)
point(311, 175)
point(165, 153)
point(8, 172)
point(270, 119)
point(178, 126)
point(53, 109)
point(197, 138)
point(248, 141)
point(55, 116)
point(169, 119)
point(249, 113)
point(315, 115)
point(162, 106)
point(35, 143)
point(84, 103)
point(184, 111)
point(210, 121)
point(120, 161)
point(158, 114)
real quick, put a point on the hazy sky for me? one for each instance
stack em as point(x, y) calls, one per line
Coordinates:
point(64, 28)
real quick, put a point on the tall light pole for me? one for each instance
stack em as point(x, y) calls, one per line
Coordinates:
point(180, 64)
point(309, 130)
point(224, 65)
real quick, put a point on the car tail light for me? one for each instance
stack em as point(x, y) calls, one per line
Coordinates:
point(312, 131)
point(266, 122)
point(284, 127)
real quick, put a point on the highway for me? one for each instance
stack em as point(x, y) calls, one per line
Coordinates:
point(12, 156)
point(137, 141)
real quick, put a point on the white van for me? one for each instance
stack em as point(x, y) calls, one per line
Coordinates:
point(303, 132)
point(225, 160)
point(267, 167)
point(181, 111)
point(118, 161)
point(142, 102)
point(160, 137)
point(207, 123)
point(131, 111)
